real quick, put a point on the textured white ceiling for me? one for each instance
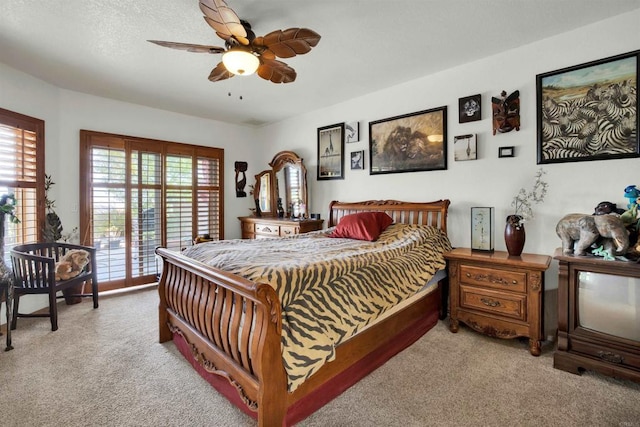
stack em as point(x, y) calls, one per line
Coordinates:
point(99, 47)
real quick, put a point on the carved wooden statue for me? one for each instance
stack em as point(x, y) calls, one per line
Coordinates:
point(241, 168)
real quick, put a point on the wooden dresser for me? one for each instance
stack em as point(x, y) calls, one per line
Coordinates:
point(498, 295)
point(260, 227)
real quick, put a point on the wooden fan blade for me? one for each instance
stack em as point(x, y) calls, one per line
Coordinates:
point(198, 48)
point(223, 20)
point(219, 73)
point(290, 42)
point(276, 71)
point(267, 54)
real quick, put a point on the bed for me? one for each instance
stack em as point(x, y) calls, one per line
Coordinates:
point(235, 326)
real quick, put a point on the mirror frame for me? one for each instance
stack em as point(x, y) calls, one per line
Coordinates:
point(279, 162)
point(256, 191)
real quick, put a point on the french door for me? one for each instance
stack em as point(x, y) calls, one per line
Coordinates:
point(138, 194)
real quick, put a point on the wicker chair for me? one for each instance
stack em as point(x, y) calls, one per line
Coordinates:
point(34, 273)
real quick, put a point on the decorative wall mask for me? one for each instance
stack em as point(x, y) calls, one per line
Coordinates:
point(506, 112)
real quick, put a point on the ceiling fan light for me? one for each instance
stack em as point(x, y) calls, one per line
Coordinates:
point(240, 62)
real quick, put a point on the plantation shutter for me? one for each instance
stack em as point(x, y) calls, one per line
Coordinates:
point(108, 204)
point(144, 194)
point(22, 175)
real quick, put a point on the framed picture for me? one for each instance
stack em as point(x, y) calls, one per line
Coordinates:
point(465, 147)
point(409, 143)
point(589, 111)
point(469, 108)
point(482, 229)
point(357, 159)
point(352, 131)
point(331, 152)
point(506, 152)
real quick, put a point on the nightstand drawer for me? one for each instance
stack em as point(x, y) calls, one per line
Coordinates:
point(503, 304)
point(272, 230)
point(288, 230)
point(494, 278)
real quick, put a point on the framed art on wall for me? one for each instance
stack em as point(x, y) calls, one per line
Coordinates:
point(506, 151)
point(589, 111)
point(409, 143)
point(482, 229)
point(469, 108)
point(465, 147)
point(352, 132)
point(357, 160)
point(331, 152)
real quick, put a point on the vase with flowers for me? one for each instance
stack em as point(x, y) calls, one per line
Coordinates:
point(514, 233)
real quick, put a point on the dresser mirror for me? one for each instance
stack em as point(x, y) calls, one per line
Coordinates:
point(263, 190)
point(282, 191)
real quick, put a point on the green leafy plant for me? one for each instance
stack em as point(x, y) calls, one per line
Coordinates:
point(8, 207)
point(52, 231)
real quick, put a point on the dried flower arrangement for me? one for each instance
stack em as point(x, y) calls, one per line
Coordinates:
point(523, 201)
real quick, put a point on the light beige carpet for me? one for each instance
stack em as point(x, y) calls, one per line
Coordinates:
point(105, 367)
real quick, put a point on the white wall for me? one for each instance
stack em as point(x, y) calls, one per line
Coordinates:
point(66, 112)
point(488, 181)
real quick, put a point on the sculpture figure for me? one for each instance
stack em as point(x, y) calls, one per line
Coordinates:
point(579, 231)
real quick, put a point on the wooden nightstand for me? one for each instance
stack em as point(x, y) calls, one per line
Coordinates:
point(498, 295)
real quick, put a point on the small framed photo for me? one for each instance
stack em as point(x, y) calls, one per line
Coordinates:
point(465, 147)
point(469, 108)
point(331, 152)
point(357, 160)
point(482, 229)
point(506, 151)
point(352, 132)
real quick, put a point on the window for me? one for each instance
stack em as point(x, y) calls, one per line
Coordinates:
point(22, 174)
point(138, 194)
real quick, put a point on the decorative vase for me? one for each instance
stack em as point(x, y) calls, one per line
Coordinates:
point(514, 235)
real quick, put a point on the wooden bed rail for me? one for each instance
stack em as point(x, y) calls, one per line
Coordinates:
point(226, 320)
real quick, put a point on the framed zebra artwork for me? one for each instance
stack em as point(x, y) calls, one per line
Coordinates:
point(331, 152)
point(589, 111)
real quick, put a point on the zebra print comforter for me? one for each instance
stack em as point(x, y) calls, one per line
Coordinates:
point(330, 288)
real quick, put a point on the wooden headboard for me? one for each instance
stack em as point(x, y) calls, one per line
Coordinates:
point(428, 213)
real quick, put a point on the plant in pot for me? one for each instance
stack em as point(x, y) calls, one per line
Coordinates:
point(514, 233)
point(53, 232)
point(7, 208)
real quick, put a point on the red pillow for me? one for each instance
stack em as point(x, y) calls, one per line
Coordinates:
point(362, 226)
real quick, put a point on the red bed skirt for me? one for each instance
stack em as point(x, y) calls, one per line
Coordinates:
point(332, 388)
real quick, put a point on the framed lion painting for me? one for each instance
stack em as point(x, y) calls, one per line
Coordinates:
point(409, 143)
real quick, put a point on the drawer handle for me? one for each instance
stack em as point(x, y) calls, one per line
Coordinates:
point(489, 302)
point(267, 230)
point(492, 279)
point(610, 357)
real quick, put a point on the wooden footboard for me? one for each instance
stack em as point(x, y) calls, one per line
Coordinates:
point(233, 328)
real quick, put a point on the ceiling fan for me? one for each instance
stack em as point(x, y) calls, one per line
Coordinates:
point(244, 53)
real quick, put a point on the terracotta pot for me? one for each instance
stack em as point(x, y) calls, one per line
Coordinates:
point(514, 235)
